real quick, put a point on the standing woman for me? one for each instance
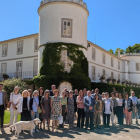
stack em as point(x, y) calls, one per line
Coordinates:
point(55, 109)
point(41, 93)
point(46, 108)
point(120, 110)
point(114, 108)
point(80, 109)
point(14, 99)
point(70, 109)
point(98, 110)
point(34, 105)
point(64, 107)
point(138, 107)
point(127, 108)
point(23, 106)
point(107, 110)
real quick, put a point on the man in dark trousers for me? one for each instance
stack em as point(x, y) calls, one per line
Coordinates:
point(3, 105)
point(89, 103)
point(53, 88)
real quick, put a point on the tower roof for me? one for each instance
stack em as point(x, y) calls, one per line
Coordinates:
point(80, 2)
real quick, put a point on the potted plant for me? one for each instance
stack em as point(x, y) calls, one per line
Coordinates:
point(109, 80)
point(5, 76)
point(119, 82)
point(102, 79)
point(114, 81)
point(127, 83)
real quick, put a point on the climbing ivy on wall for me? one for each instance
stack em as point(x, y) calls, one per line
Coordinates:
point(52, 69)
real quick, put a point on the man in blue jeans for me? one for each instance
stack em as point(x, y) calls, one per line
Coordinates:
point(89, 103)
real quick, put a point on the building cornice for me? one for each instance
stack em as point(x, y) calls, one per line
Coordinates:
point(18, 58)
point(105, 67)
point(19, 38)
point(62, 2)
point(98, 47)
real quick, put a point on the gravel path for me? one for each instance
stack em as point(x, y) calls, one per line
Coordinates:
point(113, 133)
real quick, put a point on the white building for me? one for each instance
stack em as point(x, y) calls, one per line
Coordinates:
point(64, 21)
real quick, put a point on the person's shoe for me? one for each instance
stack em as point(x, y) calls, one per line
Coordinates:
point(91, 128)
point(10, 129)
point(136, 122)
point(33, 131)
point(46, 124)
point(2, 129)
point(98, 127)
point(37, 130)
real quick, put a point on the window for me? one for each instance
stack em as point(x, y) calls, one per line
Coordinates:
point(119, 77)
point(137, 66)
point(4, 49)
point(66, 29)
point(111, 61)
point(104, 72)
point(118, 64)
point(103, 58)
point(19, 69)
point(112, 74)
point(36, 44)
point(93, 53)
point(35, 67)
point(66, 62)
point(3, 68)
point(19, 47)
point(93, 73)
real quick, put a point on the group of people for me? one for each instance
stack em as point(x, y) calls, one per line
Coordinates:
point(82, 106)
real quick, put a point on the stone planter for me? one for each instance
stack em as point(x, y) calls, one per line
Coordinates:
point(124, 83)
point(102, 80)
point(134, 85)
point(127, 85)
point(115, 82)
point(131, 85)
point(119, 83)
point(109, 81)
point(137, 86)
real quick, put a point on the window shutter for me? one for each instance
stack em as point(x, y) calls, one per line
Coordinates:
point(93, 73)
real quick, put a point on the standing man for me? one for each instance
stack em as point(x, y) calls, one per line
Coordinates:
point(53, 88)
point(75, 98)
point(89, 103)
point(134, 111)
point(97, 92)
point(85, 91)
point(3, 104)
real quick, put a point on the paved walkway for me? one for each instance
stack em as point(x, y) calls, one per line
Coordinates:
point(112, 133)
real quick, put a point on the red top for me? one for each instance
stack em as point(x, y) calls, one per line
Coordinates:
point(80, 105)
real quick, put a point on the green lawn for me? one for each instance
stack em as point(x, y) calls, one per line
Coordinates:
point(7, 117)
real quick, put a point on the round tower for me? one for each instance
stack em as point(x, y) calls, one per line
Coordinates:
point(62, 21)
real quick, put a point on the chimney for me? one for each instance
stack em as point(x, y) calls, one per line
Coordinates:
point(118, 53)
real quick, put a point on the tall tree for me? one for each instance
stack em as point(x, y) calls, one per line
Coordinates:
point(121, 51)
point(133, 49)
point(111, 51)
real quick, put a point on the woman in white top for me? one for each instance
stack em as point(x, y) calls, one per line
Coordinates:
point(14, 99)
point(120, 110)
point(23, 107)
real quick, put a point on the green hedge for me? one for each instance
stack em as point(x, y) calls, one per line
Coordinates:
point(104, 87)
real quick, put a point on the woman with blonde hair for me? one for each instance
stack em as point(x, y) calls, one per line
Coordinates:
point(14, 99)
point(23, 107)
point(46, 108)
point(34, 106)
point(55, 109)
point(80, 109)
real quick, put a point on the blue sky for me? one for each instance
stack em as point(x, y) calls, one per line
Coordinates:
point(116, 23)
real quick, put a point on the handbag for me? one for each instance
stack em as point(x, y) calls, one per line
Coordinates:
point(130, 109)
point(61, 120)
point(38, 109)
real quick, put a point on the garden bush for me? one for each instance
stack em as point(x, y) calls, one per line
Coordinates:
point(9, 85)
point(104, 87)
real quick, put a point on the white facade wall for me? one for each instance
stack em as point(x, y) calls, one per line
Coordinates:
point(27, 57)
point(98, 63)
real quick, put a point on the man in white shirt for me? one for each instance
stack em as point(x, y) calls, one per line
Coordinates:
point(134, 101)
point(3, 101)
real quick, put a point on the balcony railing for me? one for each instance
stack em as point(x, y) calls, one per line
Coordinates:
point(23, 75)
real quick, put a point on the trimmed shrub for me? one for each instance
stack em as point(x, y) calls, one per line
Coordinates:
point(104, 87)
point(9, 85)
